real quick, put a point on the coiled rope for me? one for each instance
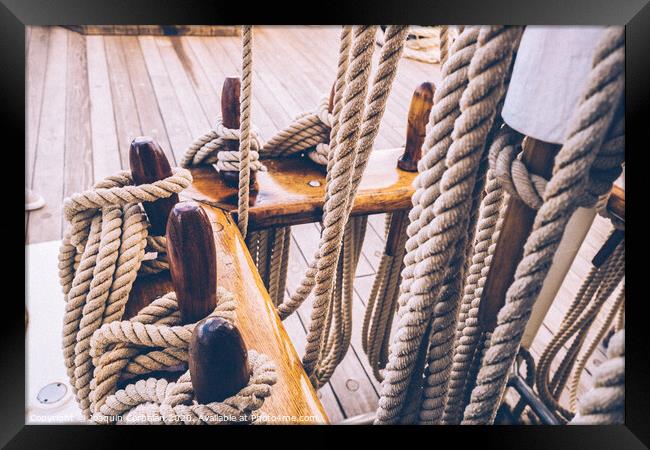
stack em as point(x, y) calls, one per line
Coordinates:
point(99, 259)
point(586, 132)
point(152, 341)
point(210, 147)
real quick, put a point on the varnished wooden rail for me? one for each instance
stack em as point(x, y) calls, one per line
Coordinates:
point(291, 192)
point(257, 319)
point(206, 249)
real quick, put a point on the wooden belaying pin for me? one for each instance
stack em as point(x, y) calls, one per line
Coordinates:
point(148, 164)
point(192, 261)
point(218, 360)
point(230, 117)
point(416, 125)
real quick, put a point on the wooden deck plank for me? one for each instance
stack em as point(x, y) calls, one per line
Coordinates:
point(195, 117)
point(127, 121)
point(45, 224)
point(36, 49)
point(170, 109)
point(78, 165)
point(146, 102)
point(106, 156)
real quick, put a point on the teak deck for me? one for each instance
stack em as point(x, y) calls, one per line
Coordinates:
point(89, 96)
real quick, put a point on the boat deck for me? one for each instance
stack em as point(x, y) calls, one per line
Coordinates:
point(89, 96)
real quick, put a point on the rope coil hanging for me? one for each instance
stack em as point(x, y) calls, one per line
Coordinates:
point(100, 257)
point(604, 404)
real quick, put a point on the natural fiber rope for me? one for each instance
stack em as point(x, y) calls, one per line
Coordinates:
point(382, 301)
point(359, 126)
point(309, 131)
point(581, 363)
point(403, 376)
point(246, 97)
point(150, 341)
point(444, 43)
point(604, 404)
point(439, 257)
point(587, 130)
point(99, 259)
point(590, 299)
point(468, 332)
point(156, 401)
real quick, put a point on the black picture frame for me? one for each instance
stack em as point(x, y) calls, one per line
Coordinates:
point(634, 14)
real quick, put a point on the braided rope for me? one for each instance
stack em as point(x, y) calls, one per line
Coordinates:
point(399, 378)
point(309, 131)
point(590, 299)
point(156, 401)
point(382, 301)
point(210, 149)
point(604, 404)
point(468, 333)
point(444, 44)
point(359, 126)
point(152, 340)
point(587, 130)
point(437, 259)
point(246, 97)
point(99, 260)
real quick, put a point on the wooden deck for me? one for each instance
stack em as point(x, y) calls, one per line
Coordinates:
point(89, 96)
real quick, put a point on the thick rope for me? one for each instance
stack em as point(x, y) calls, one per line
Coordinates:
point(99, 260)
point(468, 332)
point(587, 130)
point(402, 374)
point(309, 132)
point(604, 404)
point(438, 259)
point(152, 340)
point(156, 401)
point(359, 126)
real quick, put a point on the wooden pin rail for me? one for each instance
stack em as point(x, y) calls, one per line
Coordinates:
point(257, 319)
point(292, 190)
point(206, 250)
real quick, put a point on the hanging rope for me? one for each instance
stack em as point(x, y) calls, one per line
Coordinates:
point(587, 130)
point(100, 257)
point(604, 404)
point(382, 301)
point(440, 255)
point(359, 124)
point(469, 338)
point(245, 128)
point(597, 288)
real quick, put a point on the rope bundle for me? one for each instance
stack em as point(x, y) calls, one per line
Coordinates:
point(594, 293)
point(210, 149)
point(446, 188)
point(310, 130)
point(586, 132)
point(157, 401)
point(99, 259)
point(152, 341)
point(604, 404)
